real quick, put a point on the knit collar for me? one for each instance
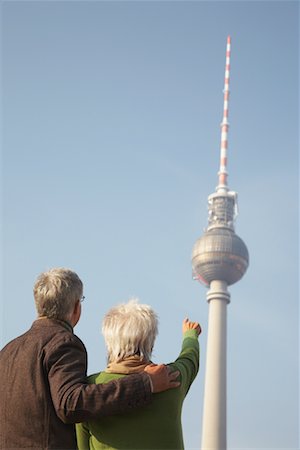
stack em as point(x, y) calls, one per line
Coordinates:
point(131, 364)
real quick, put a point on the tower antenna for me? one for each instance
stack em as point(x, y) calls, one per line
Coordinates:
point(225, 124)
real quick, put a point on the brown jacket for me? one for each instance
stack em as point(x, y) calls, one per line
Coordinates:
point(43, 389)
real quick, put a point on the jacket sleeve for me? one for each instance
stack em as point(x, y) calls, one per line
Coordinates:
point(188, 360)
point(76, 401)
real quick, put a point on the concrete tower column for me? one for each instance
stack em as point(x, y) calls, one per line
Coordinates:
point(214, 410)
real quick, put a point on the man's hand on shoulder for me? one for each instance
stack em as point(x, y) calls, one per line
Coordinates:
point(161, 377)
point(188, 325)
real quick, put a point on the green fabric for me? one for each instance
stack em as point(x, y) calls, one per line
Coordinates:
point(156, 426)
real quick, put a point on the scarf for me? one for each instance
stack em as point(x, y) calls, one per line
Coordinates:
point(131, 364)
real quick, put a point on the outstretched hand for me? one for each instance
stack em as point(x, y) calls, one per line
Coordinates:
point(188, 325)
point(161, 377)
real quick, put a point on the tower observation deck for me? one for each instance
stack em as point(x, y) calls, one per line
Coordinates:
point(219, 259)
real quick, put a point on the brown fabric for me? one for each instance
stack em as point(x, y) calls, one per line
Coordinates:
point(132, 364)
point(43, 389)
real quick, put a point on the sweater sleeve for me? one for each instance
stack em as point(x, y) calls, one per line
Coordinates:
point(76, 401)
point(188, 360)
point(83, 436)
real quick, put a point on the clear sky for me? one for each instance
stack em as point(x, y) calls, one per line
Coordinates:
point(110, 147)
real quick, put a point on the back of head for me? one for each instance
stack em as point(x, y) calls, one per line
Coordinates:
point(130, 329)
point(56, 293)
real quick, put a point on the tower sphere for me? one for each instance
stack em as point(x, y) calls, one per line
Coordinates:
point(219, 255)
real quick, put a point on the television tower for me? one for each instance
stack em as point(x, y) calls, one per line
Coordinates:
point(219, 259)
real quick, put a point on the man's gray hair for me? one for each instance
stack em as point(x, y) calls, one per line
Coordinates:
point(130, 329)
point(56, 293)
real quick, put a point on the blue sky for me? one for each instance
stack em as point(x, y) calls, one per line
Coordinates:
point(110, 147)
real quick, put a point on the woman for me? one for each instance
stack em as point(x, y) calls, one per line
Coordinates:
point(129, 331)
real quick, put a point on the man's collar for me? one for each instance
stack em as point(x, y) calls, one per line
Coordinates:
point(64, 323)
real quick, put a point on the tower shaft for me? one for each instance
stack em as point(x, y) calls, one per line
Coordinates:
point(214, 410)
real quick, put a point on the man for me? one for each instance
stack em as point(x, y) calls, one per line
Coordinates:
point(43, 388)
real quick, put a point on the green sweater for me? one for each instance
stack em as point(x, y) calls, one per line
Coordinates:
point(156, 426)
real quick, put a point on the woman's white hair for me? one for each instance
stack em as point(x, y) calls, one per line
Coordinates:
point(130, 329)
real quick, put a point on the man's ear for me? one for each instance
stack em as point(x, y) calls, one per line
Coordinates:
point(75, 315)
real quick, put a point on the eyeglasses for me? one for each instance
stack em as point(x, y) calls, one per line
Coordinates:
point(82, 299)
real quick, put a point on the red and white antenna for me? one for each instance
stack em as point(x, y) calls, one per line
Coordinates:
point(222, 186)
